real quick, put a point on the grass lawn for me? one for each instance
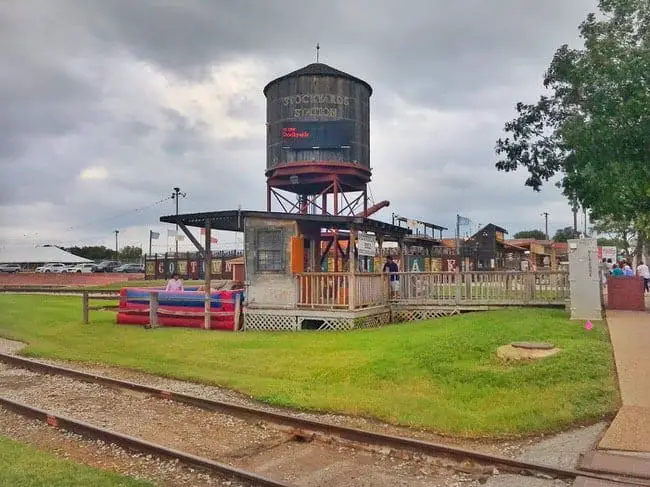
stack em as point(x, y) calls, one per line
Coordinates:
point(24, 466)
point(441, 374)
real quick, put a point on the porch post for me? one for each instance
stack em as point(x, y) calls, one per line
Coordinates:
point(352, 269)
point(208, 275)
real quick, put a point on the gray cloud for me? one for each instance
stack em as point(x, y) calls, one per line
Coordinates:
point(130, 88)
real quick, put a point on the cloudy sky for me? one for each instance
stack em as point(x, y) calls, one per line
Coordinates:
point(106, 105)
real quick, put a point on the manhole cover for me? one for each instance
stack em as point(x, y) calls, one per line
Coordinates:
point(533, 345)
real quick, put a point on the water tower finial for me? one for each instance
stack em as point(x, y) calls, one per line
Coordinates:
point(317, 51)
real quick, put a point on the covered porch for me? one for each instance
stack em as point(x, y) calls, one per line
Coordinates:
point(284, 255)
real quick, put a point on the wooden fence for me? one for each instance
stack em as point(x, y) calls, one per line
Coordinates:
point(352, 291)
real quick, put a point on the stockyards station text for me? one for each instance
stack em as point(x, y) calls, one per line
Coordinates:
point(315, 105)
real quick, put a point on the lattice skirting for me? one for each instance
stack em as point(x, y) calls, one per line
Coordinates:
point(325, 323)
point(268, 322)
point(272, 322)
point(373, 321)
point(400, 316)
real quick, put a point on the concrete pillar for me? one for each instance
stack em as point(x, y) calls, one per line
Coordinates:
point(584, 280)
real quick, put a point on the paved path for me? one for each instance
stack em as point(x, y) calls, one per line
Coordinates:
point(630, 332)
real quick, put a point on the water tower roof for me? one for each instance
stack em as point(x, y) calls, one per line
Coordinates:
point(318, 69)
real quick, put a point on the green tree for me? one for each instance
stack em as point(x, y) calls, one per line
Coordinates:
point(130, 252)
point(630, 236)
point(609, 242)
point(96, 252)
point(536, 234)
point(564, 234)
point(591, 131)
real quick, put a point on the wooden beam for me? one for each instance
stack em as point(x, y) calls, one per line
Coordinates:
point(352, 268)
point(153, 310)
point(192, 238)
point(84, 307)
point(208, 274)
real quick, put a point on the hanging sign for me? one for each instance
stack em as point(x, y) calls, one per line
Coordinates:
point(366, 244)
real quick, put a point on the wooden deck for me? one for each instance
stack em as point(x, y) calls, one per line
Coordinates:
point(347, 291)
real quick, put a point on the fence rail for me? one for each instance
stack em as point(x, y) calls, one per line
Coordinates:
point(484, 288)
point(351, 291)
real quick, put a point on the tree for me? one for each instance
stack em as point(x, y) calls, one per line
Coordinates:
point(564, 234)
point(97, 252)
point(536, 234)
point(130, 252)
point(591, 131)
point(609, 242)
point(627, 235)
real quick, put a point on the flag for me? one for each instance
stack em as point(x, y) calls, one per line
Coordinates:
point(462, 220)
point(154, 235)
point(171, 233)
point(212, 239)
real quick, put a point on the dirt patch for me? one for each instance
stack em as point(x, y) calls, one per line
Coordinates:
point(510, 352)
point(10, 346)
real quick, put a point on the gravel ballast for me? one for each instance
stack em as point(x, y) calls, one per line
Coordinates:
point(254, 445)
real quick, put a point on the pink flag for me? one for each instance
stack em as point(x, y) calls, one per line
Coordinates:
point(588, 325)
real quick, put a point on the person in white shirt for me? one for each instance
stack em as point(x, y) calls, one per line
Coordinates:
point(175, 283)
point(643, 271)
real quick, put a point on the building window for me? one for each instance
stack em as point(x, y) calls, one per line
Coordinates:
point(270, 250)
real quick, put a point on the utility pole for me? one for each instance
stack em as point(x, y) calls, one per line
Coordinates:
point(545, 215)
point(584, 212)
point(175, 195)
point(116, 232)
point(458, 238)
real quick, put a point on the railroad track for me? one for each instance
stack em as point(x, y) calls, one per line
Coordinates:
point(294, 428)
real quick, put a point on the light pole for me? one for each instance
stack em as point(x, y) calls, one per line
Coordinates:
point(175, 195)
point(545, 215)
point(116, 232)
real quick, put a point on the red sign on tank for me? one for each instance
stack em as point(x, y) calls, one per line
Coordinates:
point(292, 133)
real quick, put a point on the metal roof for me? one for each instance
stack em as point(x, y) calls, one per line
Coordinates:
point(318, 69)
point(38, 255)
point(233, 221)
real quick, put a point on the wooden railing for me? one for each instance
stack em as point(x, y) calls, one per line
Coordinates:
point(347, 291)
point(371, 290)
point(323, 290)
point(483, 288)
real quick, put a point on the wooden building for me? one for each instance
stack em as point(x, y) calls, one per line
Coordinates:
point(285, 287)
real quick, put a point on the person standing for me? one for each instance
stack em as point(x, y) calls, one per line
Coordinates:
point(175, 284)
point(391, 267)
point(643, 271)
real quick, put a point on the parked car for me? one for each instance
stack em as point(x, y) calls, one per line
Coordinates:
point(107, 266)
point(85, 268)
point(11, 268)
point(54, 267)
point(130, 268)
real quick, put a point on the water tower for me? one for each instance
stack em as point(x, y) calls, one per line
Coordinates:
point(318, 142)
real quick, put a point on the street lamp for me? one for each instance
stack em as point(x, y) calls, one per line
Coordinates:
point(175, 195)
